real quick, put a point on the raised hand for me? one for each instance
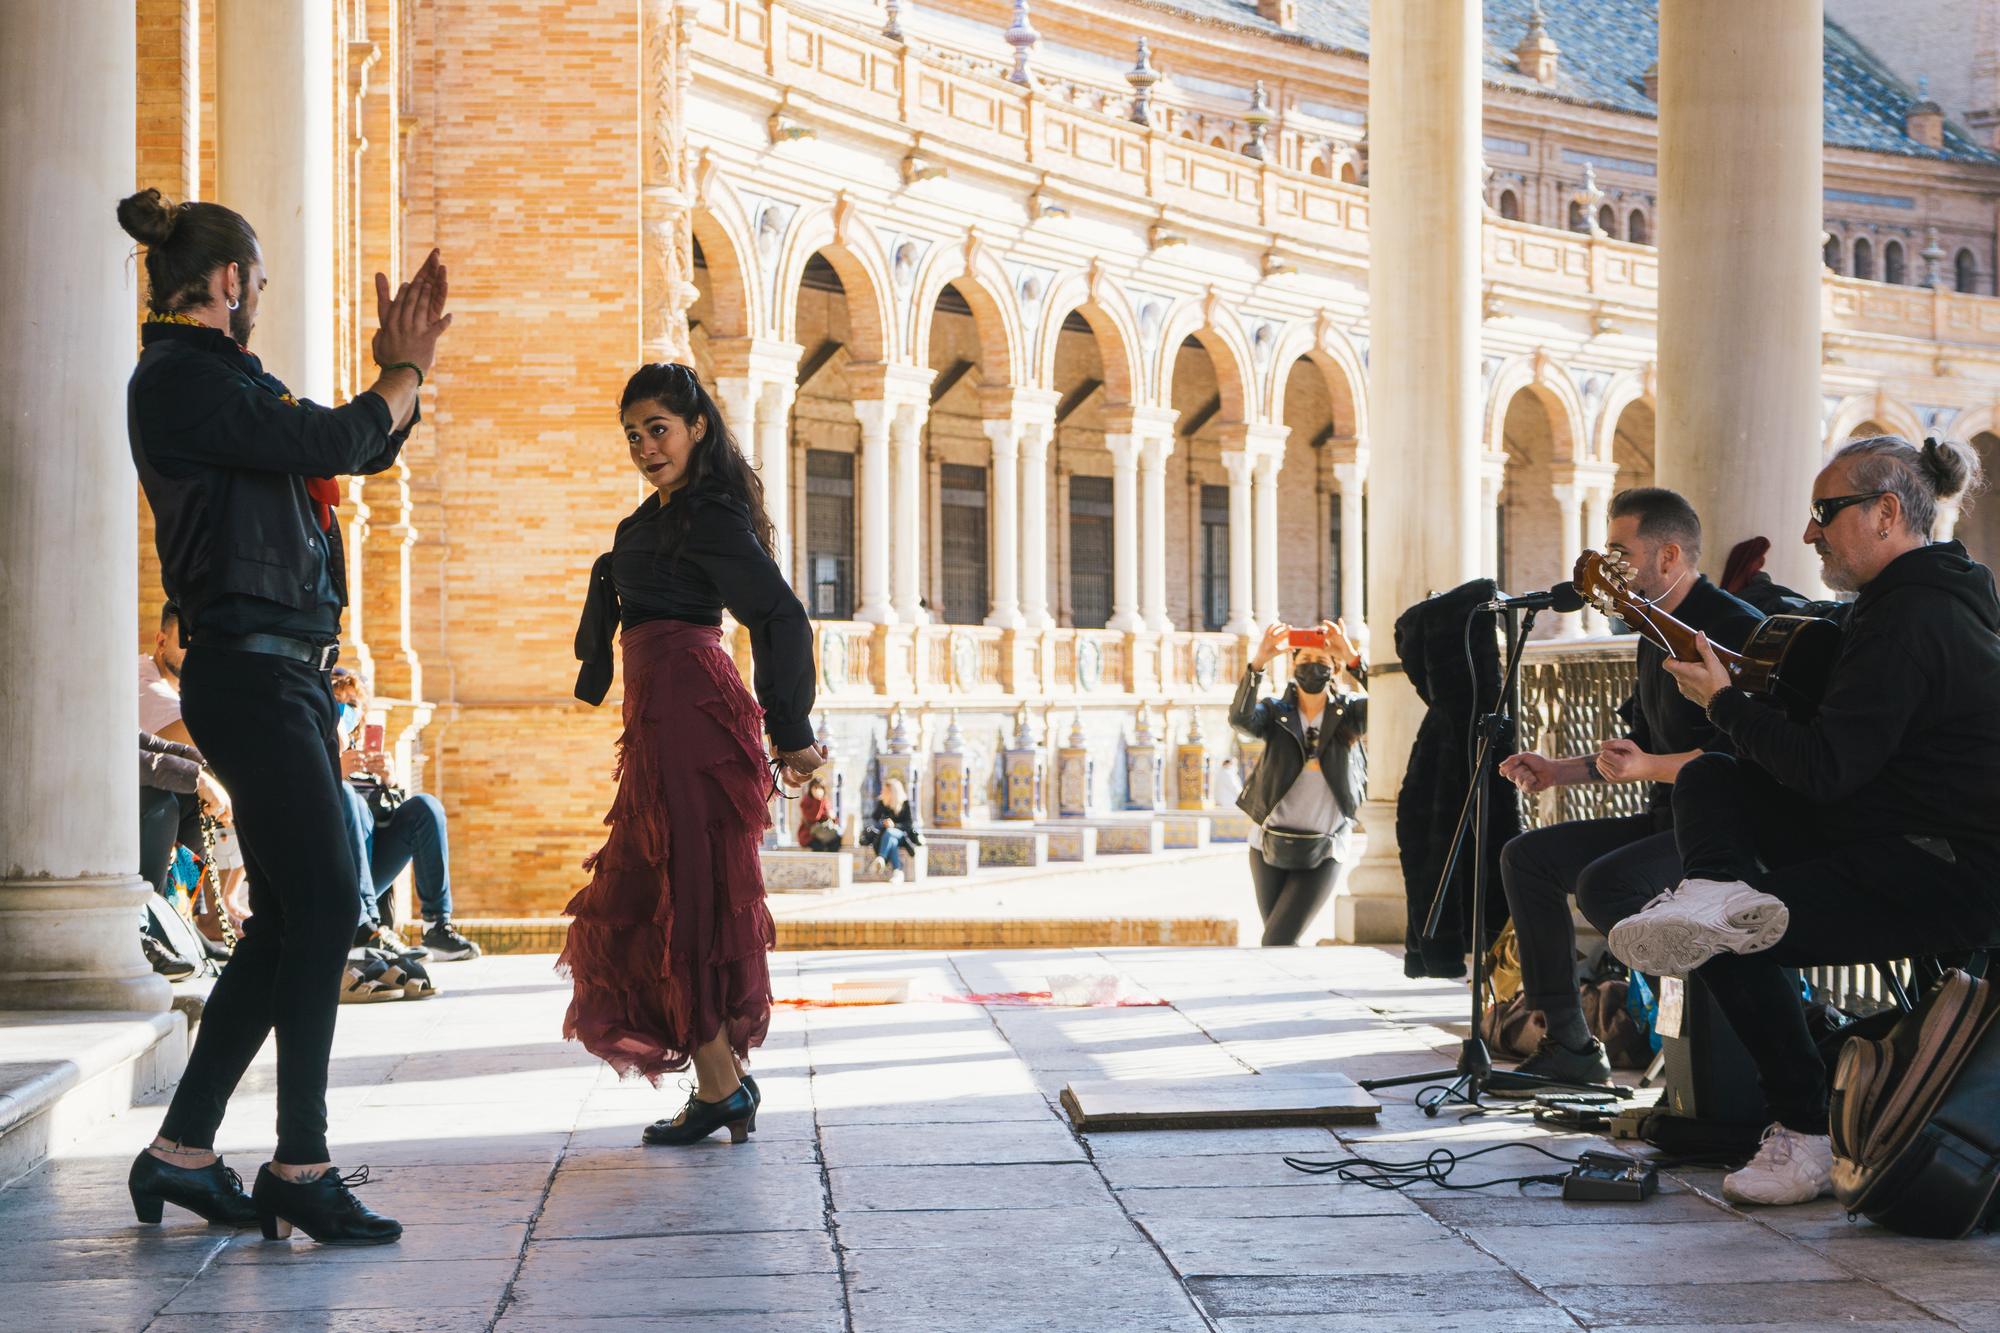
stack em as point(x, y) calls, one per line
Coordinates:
point(1271, 645)
point(413, 319)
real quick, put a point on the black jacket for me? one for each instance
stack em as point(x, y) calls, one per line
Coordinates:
point(906, 821)
point(224, 453)
point(1907, 737)
point(1660, 719)
point(1343, 760)
point(1431, 645)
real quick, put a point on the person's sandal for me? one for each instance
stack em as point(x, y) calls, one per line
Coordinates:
point(417, 983)
point(362, 984)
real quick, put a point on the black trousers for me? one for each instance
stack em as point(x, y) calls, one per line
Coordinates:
point(1853, 899)
point(165, 819)
point(1613, 866)
point(266, 726)
point(1288, 899)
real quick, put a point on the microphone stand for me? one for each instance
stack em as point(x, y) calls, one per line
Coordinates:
point(1474, 1073)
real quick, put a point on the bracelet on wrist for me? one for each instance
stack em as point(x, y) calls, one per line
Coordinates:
point(406, 365)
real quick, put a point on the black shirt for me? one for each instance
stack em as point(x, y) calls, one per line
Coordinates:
point(224, 451)
point(720, 565)
point(1661, 719)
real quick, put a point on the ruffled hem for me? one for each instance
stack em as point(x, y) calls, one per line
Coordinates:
point(669, 939)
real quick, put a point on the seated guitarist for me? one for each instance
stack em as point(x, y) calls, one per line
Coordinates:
point(1613, 866)
point(1871, 831)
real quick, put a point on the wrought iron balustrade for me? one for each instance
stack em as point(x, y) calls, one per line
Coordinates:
point(1570, 694)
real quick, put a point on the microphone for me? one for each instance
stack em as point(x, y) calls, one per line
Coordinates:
point(1562, 598)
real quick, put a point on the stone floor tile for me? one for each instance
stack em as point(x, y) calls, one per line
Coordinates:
point(1320, 1200)
point(429, 1242)
point(1544, 1208)
point(161, 1252)
point(1311, 1246)
point(860, 1110)
point(717, 1151)
point(1128, 1288)
point(832, 1320)
point(1638, 1252)
point(1548, 1319)
point(923, 1188)
point(1399, 1295)
point(401, 1319)
point(1088, 1228)
point(1255, 1170)
point(1698, 1304)
point(103, 1303)
point(1113, 1145)
point(1044, 1140)
point(365, 1285)
point(744, 1254)
point(624, 1291)
point(584, 1204)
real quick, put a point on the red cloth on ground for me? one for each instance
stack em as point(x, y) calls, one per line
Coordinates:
point(812, 810)
point(669, 939)
point(1745, 559)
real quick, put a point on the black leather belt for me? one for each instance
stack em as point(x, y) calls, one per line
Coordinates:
point(319, 656)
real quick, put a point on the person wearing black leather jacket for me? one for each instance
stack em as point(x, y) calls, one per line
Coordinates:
point(241, 479)
point(1312, 778)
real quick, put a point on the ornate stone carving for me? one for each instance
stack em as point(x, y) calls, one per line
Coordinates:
point(1142, 76)
point(1021, 35)
point(667, 287)
point(1258, 117)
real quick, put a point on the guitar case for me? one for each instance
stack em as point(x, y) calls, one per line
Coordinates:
point(1916, 1116)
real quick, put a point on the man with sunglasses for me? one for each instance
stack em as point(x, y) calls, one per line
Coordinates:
point(1870, 831)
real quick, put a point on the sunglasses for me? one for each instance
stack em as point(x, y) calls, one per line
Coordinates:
point(1824, 510)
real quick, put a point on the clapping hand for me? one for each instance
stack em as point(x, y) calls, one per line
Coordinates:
point(1528, 771)
point(411, 321)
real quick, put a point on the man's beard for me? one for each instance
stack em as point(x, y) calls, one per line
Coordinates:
point(1838, 576)
point(239, 325)
point(169, 668)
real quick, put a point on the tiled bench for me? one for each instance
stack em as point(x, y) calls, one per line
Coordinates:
point(1230, 825)
point(863, 860)
point(795, 870)
point(1064, 840)
point(950, 854)
point(1184, 829)
point(1003, 848)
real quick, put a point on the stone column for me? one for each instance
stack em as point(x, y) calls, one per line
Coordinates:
point(1596, 505)
point(1005, 435)
point(1265, 539)
point(274, 145)
point(875, 416)
point(774, 460)
point(1035, 434)
point(69, 711)
point(1125, 450)
point(755, 381)
point(1153, 457)
point(906, 562)
point(1351, 473)
point(1423, 377)
point(1569, 507)
point(1739, 336)
point(1492, 485)
point(1239, 465)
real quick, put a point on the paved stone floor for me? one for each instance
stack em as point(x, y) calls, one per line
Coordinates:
point(911, 1172)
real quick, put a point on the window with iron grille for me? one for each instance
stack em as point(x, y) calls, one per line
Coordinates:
point(962, 536)
point(1090, 517)
point(1214, 556)
point(829, 534)
point(1333, 565)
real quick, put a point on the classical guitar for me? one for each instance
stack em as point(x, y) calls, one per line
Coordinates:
point(1786, 659)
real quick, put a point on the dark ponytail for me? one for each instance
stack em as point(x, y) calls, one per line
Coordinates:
point(185, 244)
point(715, 465)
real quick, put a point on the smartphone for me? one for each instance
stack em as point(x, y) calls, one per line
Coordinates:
point(1307, 638)
point(371, 738)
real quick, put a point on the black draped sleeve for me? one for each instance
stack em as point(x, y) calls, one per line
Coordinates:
point(595, 632)
point(721, 545)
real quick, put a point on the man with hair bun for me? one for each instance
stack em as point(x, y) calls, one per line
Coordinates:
point(241, 479)
point(1870, 831)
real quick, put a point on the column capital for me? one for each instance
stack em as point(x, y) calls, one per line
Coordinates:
point(1267, 465)
point(1140, 421)
point(1013, 402)
point(887, 382)
point(1124, 450)
point(1586, 476)
point(760, 359)
point(1257, 437)
point(1238, 463)
point(1003, 434)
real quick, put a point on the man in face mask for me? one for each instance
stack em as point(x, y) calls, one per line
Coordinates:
point(1614, 866)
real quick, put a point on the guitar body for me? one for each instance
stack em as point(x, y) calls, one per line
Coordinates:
point(1788, 660)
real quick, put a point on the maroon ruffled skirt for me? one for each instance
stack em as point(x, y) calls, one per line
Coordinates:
point(668, 942)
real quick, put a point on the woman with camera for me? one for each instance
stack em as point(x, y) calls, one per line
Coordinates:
point(1306, 789)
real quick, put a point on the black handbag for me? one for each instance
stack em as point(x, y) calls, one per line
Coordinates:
point(1296, 851)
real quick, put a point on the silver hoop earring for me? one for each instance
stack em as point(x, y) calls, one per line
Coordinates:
point(233, 304)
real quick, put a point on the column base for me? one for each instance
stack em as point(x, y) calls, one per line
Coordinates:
point(1369, 920)
point(70, 944)
point(1245, 627)
point(882, 614)
point(1126, 622)
point(1006, 619)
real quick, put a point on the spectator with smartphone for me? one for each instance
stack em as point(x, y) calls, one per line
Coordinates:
point(393, 829)
point(1308, 787)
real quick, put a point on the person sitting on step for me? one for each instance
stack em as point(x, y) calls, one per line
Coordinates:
point(892, 827)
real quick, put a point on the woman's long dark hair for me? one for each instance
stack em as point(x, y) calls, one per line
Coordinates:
point(715, 465)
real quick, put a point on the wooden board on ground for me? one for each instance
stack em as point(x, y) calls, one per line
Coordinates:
point(1247, 1102)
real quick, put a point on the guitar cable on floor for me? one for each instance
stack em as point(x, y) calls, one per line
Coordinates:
point(1434, 1169)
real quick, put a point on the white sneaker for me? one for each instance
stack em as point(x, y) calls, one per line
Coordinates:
point(1686, 926)
point(878, 865)
point(1789, 1167)
point(895, 877)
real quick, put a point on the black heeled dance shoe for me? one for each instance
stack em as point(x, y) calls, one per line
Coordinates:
point(213, 1191)
point(324, 1208)
point(699, 1119)
point(756, 1099)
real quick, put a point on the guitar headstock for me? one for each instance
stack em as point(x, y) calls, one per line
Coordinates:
point(1605, 582)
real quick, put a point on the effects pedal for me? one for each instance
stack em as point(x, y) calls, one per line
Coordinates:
point(1607, 1177)
point(1569, 1110)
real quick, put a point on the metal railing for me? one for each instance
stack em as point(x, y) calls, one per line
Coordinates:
point(1570, 695)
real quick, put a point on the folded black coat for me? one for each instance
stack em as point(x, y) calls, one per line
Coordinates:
point(1431, 646)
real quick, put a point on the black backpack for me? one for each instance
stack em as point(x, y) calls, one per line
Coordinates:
point(1916, 1116)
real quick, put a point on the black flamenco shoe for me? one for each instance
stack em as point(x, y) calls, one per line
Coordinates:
point(699, 1119)
point(324, 1208)
point(213, 1191)
point(756, 1098)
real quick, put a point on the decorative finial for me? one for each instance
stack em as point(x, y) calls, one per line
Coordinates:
point(1024, 734)
point(893, 29)
point(1194, 728)
point(1591, 198)
point(899, 733)
point(1142, 732)
point(954, 739)
point(1142, 77)
point(1259, 119)
point(1933, 255)
point(1022, 37)
point(1077, 740)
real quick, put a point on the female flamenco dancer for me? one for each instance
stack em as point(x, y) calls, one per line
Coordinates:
point(667, 948)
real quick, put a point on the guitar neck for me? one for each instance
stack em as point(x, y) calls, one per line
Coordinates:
point(1675, 637)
